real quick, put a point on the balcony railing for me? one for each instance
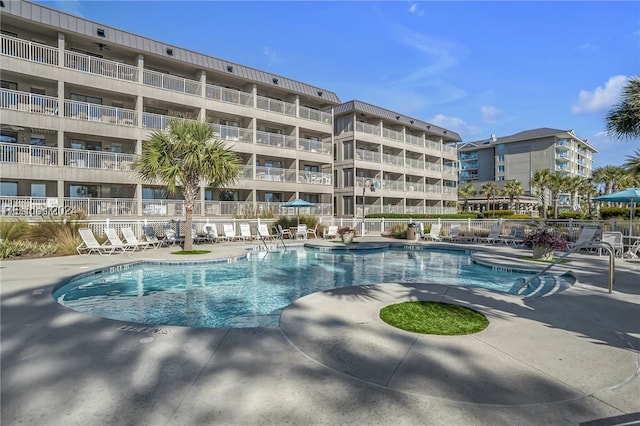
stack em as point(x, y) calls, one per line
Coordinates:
point(275, 139)
point(366, 155)
point(275, 174)
point(86, 159)
point(232, 134)
point(28, 50)
point(103, 67)
point(433, 167)
point(151, 207)
point(314, 115)
point(310, 145)
point(101, 113)
point(414, 163)
point(157, 121)
point(316, 178)
point(397, 160)
point(450, 169)
point(102, 206)
point(368, 128)
point(451, 150)
point(433, 145)
point(392, 185)
point(414, 140)
point(231, 96)
point(28, 102)
point(393, 135)
point(28, 154)
point(172, 83)
point(275, 105)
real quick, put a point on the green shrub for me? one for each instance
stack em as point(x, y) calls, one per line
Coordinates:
point(521, 216)
point(616, 212)
point(422, 216)
point(398, 231)
point(571, 215)
point(498, 213)
point(14, 230)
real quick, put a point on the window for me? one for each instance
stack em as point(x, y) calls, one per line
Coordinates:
point(500, 177)
point(9, 189)
point(38, 140)
point(38, 190)
point(308, 168)
point(9, 85)
point(501, 169)
point(85, 98)
point(501, 158)
point(154, 193)
point(84, 191)
point(273, 197)
point(501, 147)
point(158, 111)
point(347, 177)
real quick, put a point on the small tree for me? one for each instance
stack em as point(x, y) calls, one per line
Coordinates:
point(184, 157)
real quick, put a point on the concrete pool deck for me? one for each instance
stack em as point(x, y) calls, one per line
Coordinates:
point(569, 358)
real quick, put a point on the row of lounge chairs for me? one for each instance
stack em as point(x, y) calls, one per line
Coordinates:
point(113, 244)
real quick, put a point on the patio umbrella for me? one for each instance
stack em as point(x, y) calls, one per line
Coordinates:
point(297, 203)
point(630, 195)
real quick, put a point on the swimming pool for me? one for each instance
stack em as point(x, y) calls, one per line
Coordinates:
point(252, 292)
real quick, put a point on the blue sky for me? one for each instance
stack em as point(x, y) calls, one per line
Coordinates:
point(473, 67)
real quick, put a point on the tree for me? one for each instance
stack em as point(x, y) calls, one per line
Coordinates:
point(623, 121)
point(587, 191)
point(465, 192)
point(557, 185)
point(490, 190)
point(186, 156)
point(541, 180)
point(633, 163)
point(513, 190)
point(573, 185)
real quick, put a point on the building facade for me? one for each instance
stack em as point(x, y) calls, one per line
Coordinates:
point(78, 100)
point(519, 156)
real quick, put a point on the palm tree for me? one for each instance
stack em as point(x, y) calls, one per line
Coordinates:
point(633, 163)
point(186, 156)
point(541, 180)
point(490, 190)
point(465, 192)
point(557, 185)
point(513, 190)
point(573, 185)
point(587, 191)
point(623, 121)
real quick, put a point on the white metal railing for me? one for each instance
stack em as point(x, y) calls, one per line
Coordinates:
point(316, 178)
point(392, 134)
point(28, 102)
point(432, 189)
point(231, 96)
point(152, 207)
point(414, 163)
point(246, 172)
point(226, 208)
point(366, 155)
point(449, 189)
point(102, 206)
point(310, 145)
point(414, 187)
point(398, 160)
point(28, 50)
point(275, 139)
point(86, 159)
point(429, 144)
point(157, 121)
point(172, 82)
point(100, 66)
point(451, 149)
point(434, 167)
point(275, 105)
point(393, 185)
point(368, 128)
point(232, 134)
point(314, 115)
point(96, 112)
point(414, 140)
point(450, 169)
point(28, 154)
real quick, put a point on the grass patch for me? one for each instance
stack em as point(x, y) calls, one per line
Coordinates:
point(553, 259)
point(186, 252)
point(434, 318)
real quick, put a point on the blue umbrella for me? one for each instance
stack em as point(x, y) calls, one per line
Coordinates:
point(630, 195)
point(297, 203)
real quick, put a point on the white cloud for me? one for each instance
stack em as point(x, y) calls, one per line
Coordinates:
point(456, 124)
point(600, 98)
point(489, 114)
point(271, 55)
point(413, 8)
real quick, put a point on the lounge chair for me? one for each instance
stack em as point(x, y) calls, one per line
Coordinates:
point(434, 233)
point(313, 231)
point(150, 236)
point(301, 231)
point(615, 239)
point(131, 239)
point(170, 238)
point(516, 238)
point(196, 237)
point(587, 234)
point(330, 231)
point(91, 245)
point(211, 233)
point(455, 234)
point(263, 232)
point(229, 232)
point(283, 232)
point(115, 241)
point(245, 232)
point(494, 235)
point(634, 251)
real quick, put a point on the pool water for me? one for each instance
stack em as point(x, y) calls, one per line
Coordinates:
point(252, 292)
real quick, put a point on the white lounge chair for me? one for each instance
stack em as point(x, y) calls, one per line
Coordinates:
point(245, 232)
point(115, 241)
point(91, 245)
point(454, 233)
point(494, 235)
point(131, 239)
point(150, 236)
point(330, 231)
point(229, 232)
point(283, 232)
point(434, 233)
point(301, 231)
point(588, 234)
point(634, 251)
point(615, 239)
point(211, 233)
point(313, 231)
point(263, 232)
point(170, 238)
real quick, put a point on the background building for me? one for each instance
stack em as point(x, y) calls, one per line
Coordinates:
point(78, 100)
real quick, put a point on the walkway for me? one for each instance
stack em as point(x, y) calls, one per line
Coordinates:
point(569, 358)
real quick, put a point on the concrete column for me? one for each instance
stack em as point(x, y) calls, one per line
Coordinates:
point(202, 115)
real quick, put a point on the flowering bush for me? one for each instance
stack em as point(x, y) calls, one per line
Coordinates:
point(345, 230)
point(547, 238)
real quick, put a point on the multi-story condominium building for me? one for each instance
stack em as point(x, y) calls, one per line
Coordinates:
point(517, 157)
point(386, 162)
point(78, 100)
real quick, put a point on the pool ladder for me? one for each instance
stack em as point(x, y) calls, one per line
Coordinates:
point(589, 244)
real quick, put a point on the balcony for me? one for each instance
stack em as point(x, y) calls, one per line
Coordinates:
point(368, 128)
point(315, 115)
point(95, 112)
point(275, 174)
point(312, 145)
point(28, 154)
point(276, 106)
point(99, 66)
point(396, 160)
point(414, 140)
point(28, 102)
point(315, 178)
point(229, 96)
point(392, 185)
point(232, 134)
point(366, 155)
point(275, 140)
point(172, 83)
point(28, 50)
point(84, 159)
point(393, 135)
